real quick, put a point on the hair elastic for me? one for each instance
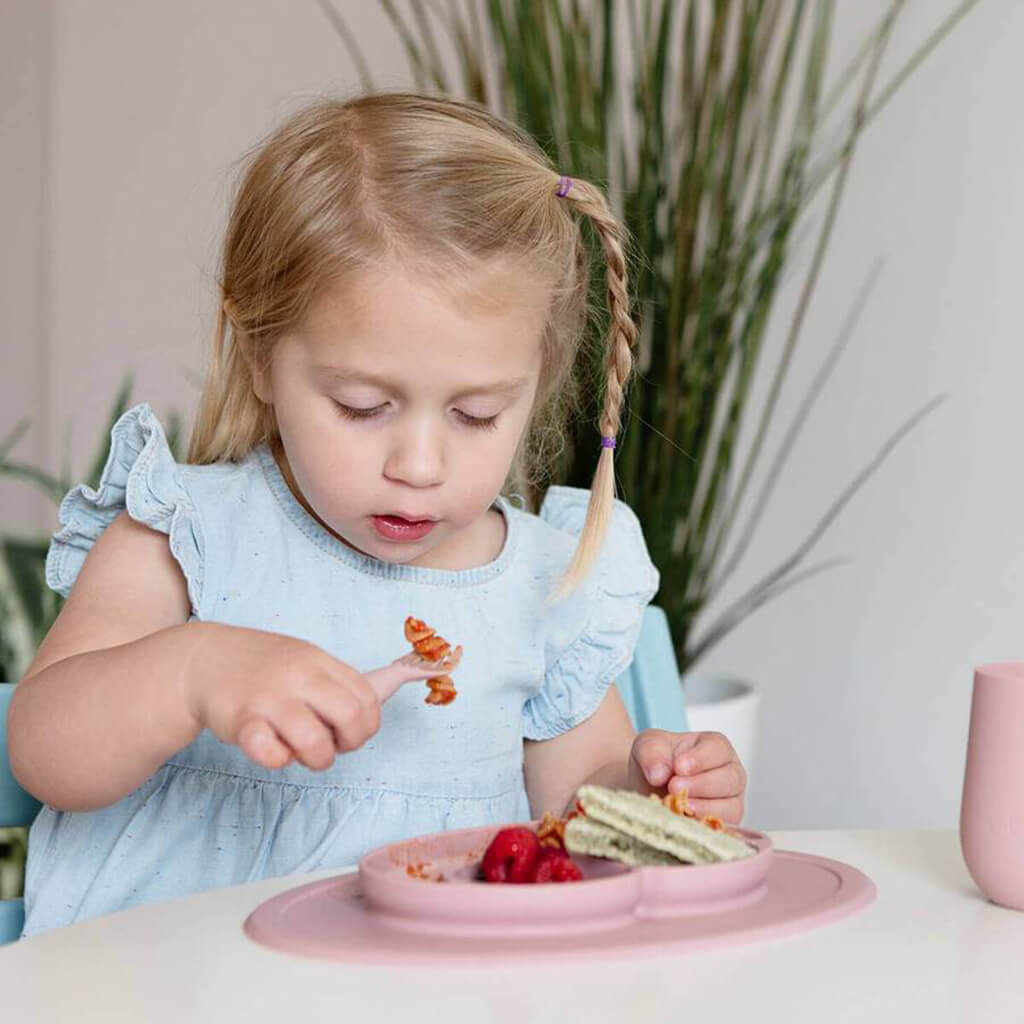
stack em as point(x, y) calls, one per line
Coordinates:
point(607, 442)
point(564, 184)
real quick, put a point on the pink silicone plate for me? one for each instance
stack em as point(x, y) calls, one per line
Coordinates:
point(429, 884)
point(398, 910)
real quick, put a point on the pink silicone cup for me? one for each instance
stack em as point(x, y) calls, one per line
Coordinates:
point(992, 805)
point(611, 895)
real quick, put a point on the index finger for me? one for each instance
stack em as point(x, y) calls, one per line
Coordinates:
point(652, 753)
point(712, 750)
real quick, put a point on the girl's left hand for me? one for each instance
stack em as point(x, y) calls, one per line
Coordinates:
point(703, 763)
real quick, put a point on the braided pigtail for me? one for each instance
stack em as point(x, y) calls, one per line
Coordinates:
point(620, 344)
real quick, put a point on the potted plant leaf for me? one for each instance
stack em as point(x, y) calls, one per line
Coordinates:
point(714, 143)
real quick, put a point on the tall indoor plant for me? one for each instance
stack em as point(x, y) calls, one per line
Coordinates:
point(714, 137)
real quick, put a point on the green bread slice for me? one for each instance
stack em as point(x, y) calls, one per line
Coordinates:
point(585, 835)
point(648, 820)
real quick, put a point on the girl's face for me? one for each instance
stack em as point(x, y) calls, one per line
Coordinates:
point(400, 411)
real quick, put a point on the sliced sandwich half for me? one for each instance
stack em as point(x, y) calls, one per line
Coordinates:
point(641, 831)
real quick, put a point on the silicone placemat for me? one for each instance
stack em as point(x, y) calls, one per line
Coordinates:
point(331, 919)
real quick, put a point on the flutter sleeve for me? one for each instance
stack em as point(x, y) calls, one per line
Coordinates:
point(595, 629)
point(141, 476)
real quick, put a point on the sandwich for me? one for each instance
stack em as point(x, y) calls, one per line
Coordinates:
point(641, 831)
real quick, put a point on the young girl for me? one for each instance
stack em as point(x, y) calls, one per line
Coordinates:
point(403, 290)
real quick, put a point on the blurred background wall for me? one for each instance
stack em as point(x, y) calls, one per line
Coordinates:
point(120, 127)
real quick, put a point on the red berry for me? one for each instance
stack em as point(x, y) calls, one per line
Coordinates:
point(512, 856)
point(554, 865)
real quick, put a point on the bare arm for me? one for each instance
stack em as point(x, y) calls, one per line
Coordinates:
point(605, 750)
point(102, 706)
point(123, 681)
point(93, 727)
point(596, 751)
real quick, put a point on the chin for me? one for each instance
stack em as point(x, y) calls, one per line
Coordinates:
point(396, 557)
point(398, 554)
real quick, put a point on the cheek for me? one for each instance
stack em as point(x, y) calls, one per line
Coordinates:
point(333, 468)
point(487, 463)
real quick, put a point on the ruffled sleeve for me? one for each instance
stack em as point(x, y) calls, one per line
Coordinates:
point(595, 629)
point(141, 476)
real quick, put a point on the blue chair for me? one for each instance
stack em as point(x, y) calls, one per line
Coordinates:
point(650, 687)
point(17, 809)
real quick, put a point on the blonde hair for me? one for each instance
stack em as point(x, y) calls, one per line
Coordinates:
point(441, 185)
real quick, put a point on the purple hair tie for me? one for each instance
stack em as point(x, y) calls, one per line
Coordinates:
point(607, 442)
point(564, 184)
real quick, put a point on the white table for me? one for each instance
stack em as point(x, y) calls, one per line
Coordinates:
point(929, 949)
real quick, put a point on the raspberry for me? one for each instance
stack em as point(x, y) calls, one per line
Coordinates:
point(512, 856)
point(555, 865)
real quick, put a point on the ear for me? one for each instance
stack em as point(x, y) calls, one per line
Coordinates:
point(253, 357)
point(259, 368)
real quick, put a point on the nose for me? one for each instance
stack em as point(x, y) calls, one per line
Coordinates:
point(416, 456)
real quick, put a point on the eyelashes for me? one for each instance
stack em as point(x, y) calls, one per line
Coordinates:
point(476, 422)
point(473, 422)
point(349, 413)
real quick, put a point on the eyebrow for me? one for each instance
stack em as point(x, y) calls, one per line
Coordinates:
point(333, 375)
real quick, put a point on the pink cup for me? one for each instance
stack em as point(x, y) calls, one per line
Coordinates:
point(992, 810)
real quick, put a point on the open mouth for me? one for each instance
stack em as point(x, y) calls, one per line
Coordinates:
point(399, 528)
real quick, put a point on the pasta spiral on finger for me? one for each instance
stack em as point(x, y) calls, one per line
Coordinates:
point(434, 648)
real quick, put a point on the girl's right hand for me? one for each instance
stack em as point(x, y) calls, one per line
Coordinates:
point(277, 698)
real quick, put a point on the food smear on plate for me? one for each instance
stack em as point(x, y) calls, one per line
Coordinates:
point(423, 871)
point(433, 648)
point(648, 831)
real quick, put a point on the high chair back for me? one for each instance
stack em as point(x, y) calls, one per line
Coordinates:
point(17, 809)
point(650, 687)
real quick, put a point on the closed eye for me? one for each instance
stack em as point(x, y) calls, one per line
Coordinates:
point(353, 413)
point(476, 422)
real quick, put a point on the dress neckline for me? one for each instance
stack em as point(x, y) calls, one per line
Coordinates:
point(338, 549)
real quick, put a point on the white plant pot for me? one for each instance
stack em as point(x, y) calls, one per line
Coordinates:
point(727, 705)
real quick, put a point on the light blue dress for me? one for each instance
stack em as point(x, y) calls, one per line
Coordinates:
point(253, 556)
